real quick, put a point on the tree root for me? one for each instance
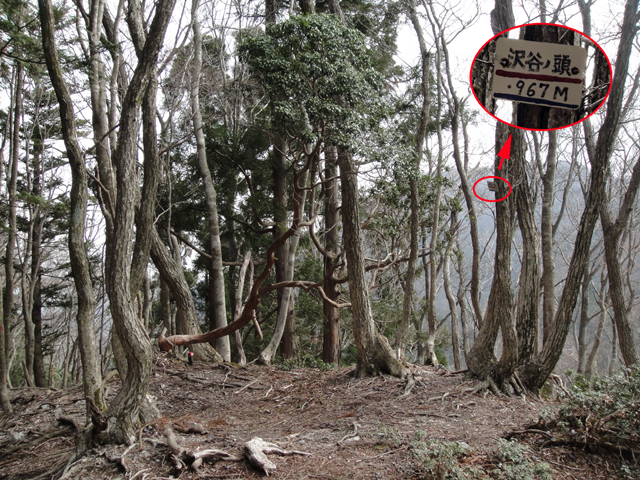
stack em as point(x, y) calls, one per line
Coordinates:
point(256, 449)
point(183, 458)
point(255, 452)
point(486, 386)
point(411, 382)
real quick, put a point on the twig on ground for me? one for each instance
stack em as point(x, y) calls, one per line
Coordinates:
point(349, 435)
point(133, 477)
point(247, 386)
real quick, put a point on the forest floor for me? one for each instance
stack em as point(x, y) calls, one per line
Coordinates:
point(352, 429)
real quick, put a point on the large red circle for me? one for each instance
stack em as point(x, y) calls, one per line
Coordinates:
point(539, 129)
point(497, 200)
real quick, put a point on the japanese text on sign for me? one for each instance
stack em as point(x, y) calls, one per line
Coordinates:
point(545, 74)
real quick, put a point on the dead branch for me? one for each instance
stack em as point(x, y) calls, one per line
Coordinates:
point(59, 432)
point(246, 386)
point(255, 296)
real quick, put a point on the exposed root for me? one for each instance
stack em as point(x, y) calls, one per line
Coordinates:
point(183, 458)
point(256, 450)
point(411, 382)
point(485, 386)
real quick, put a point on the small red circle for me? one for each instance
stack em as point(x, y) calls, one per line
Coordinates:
point(486, 200)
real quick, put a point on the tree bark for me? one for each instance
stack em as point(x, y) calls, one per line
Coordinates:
point(463, 308)
point(584, 319)
point(216, 276)
point(5, 404)
point(331, 337)
point(80, 269)
point(374, 353)
point(529, 289)
point(40, 378)
point(546, 228)
point(590, 367)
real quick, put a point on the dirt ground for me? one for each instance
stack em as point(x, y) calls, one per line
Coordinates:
point(352, 429)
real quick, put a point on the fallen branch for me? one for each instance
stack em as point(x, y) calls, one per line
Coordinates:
point(534, 431)
point(253, 300)
point(246, 386)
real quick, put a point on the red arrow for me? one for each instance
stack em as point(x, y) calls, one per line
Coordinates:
point(505, 152)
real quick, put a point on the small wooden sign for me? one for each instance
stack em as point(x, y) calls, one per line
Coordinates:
point(546, 74)
point(493, 186)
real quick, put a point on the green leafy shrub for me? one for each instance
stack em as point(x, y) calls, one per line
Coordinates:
point(607, 414)
point(506, 461)
point(603, 415)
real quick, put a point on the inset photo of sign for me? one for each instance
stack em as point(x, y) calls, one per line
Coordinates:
point(550, 77)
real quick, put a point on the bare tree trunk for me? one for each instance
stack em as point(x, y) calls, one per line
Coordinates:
point(453, 309)
point(584, 320)
point(612, 231)
point(424, 321)
point(216, 277)
point(590, 368)
point(374, 353)
point(331, 338)
point(548, 263)
point(238, 307)
point(529, 289)
point(172, 276)
point(39, 374)
point(499, 315)
point(36, 277)
point(463, 308)
point(5, 405)
point(266, 356)
point(27, 308)
point(535, 373)
point(80, 268)
point(125, 409)
point(407, 302)
point(614, 348)
point(430, 353)
point(466, 188)
point(11, 192)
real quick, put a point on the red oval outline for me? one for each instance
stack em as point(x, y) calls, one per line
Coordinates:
point(540, 129)
point(491, 201)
